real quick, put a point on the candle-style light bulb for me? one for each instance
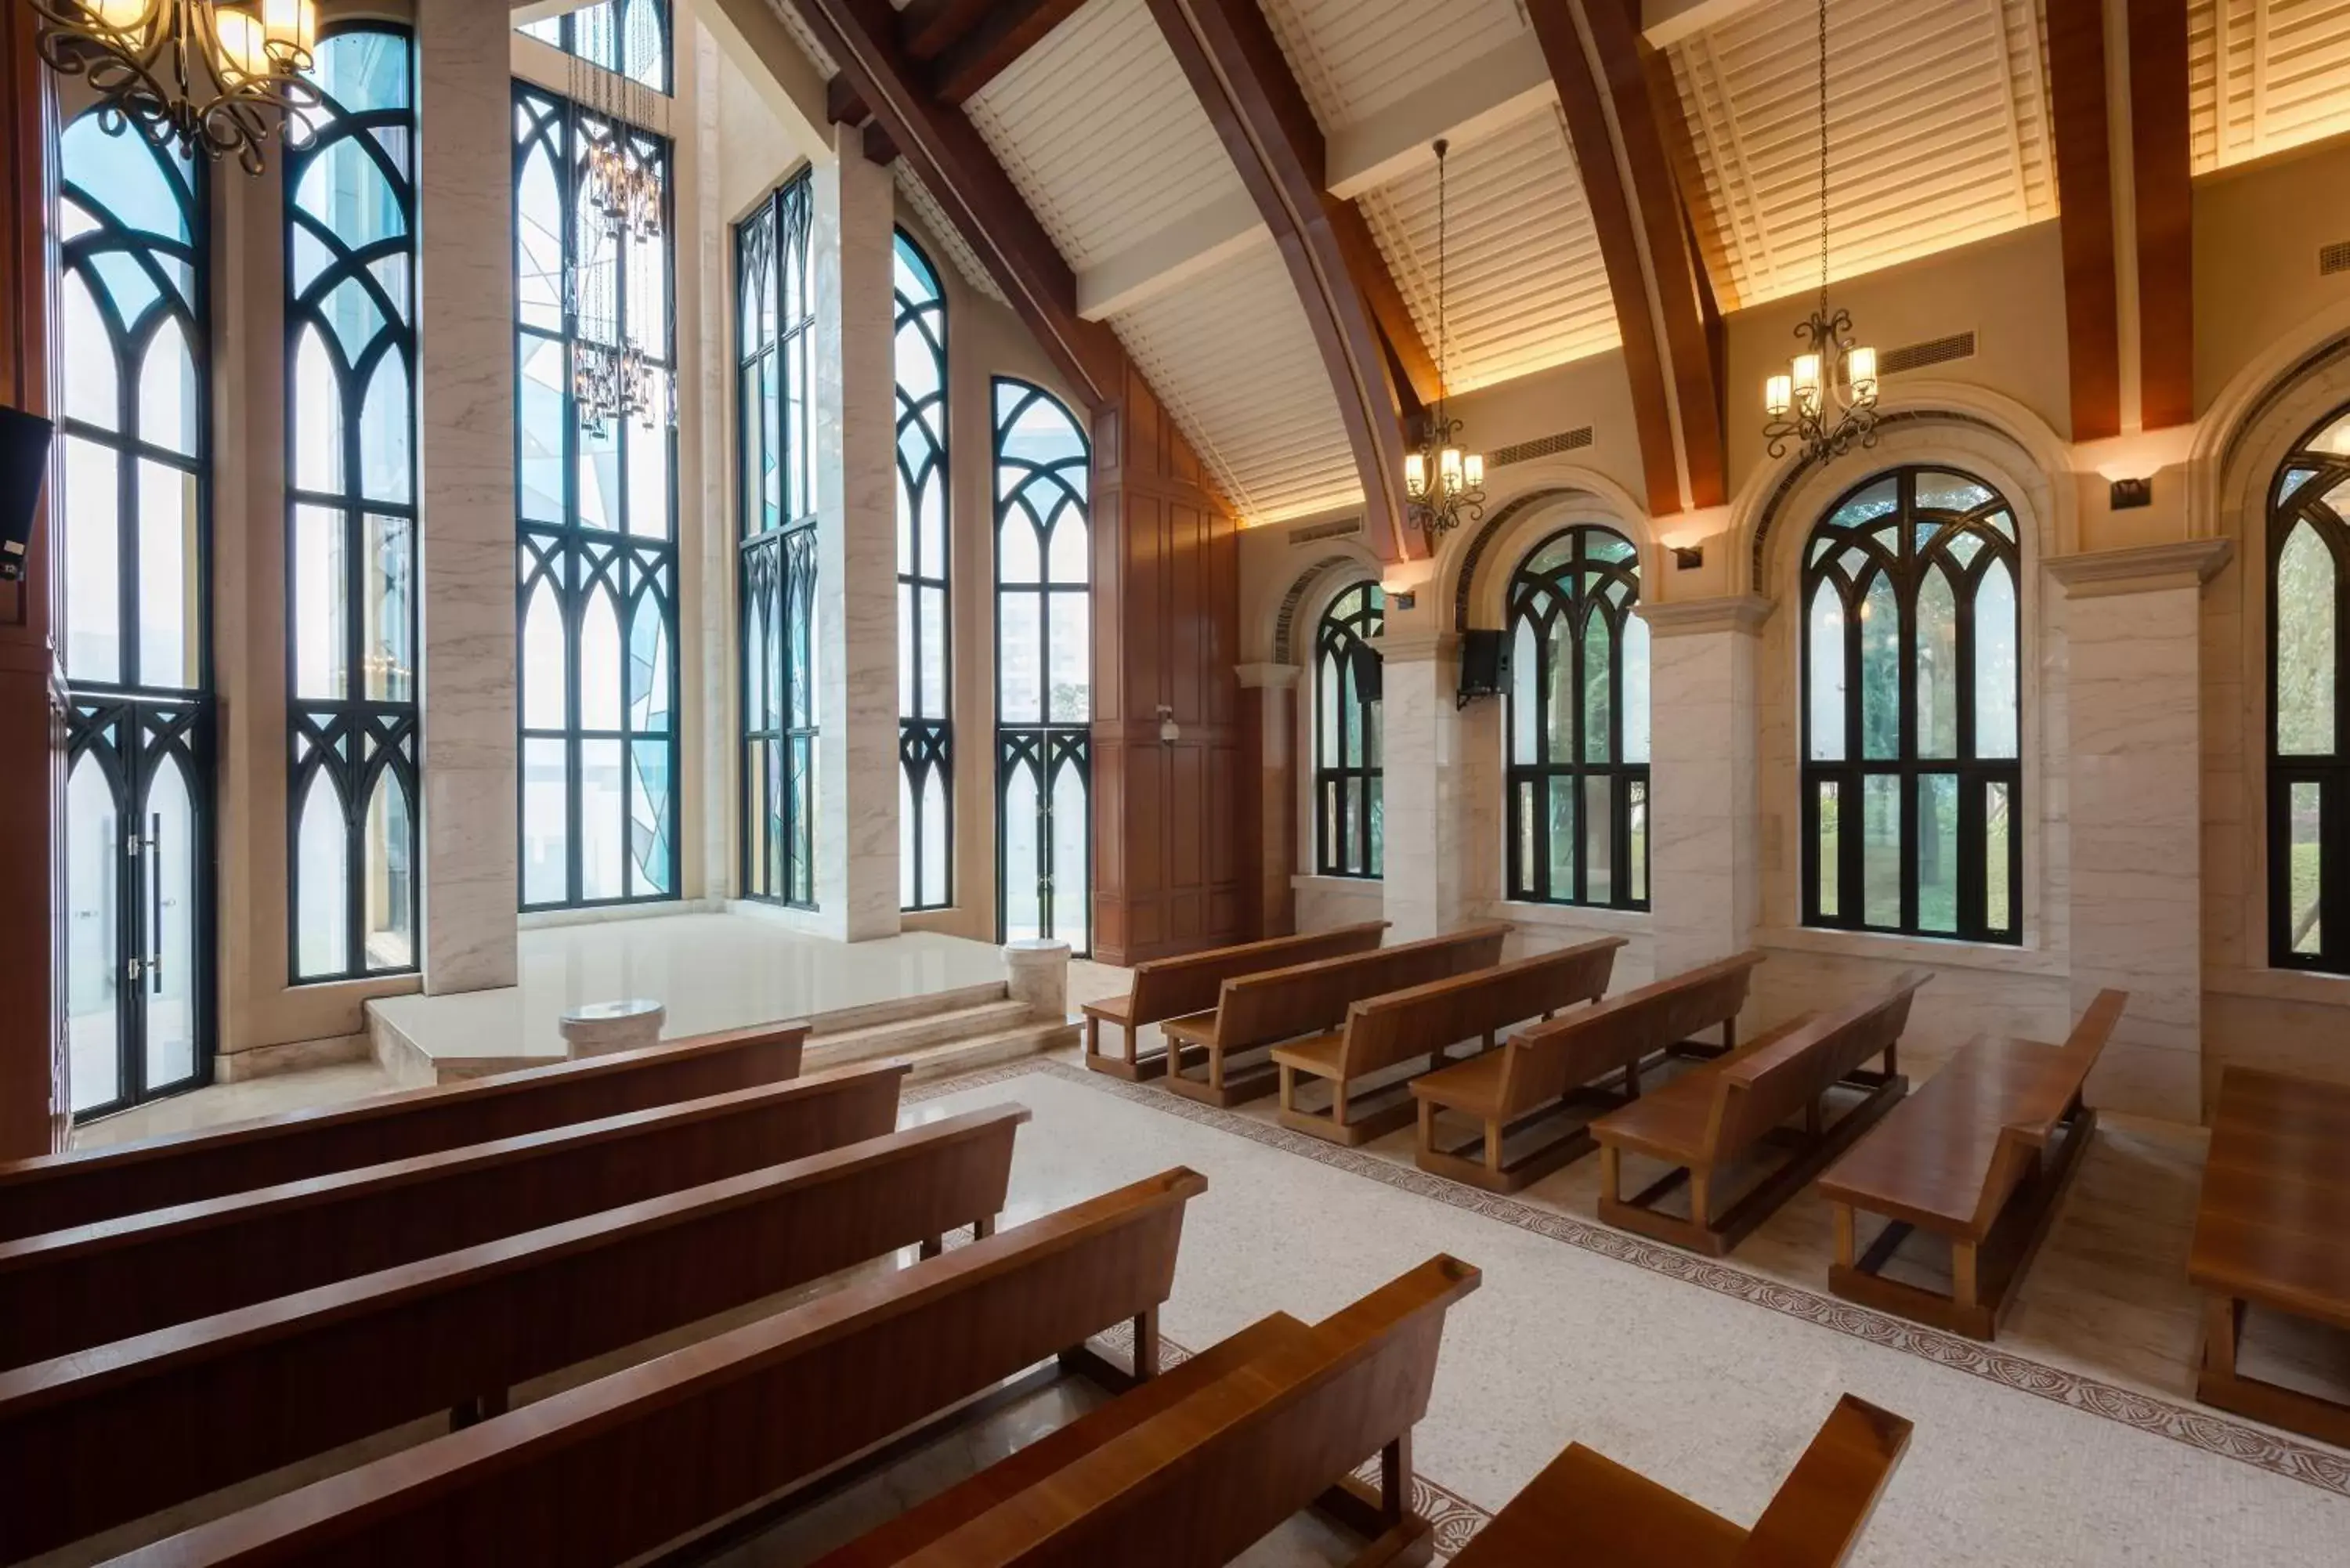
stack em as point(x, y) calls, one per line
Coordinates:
point(1447, 465)
point(1860, 371)
point(1415, 475)
point(1474, 465)
point(1778, 397)
point(1807, 381)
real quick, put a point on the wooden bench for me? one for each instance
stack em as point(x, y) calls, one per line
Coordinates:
point(1980, 1154)
point(1542, 1071)
point(1386, 1032)
point(1193, 1467)
point(611, 1470)
point(104, 1435)
point(69, 1290)
point(55, 1191)
point(1172, 987)
point(1256, 1010)
point(2269, 1231)
point(1587, 1509)
point(1721, 1112)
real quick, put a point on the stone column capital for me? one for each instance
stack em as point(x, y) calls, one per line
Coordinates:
point(1417, 646)
point(1687, 617)
point(2140, 568)
point(1267, 677)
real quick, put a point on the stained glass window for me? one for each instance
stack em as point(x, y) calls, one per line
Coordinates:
point(775, 317)
point(596, 586)
point(2308, 766)
point(925, 654)
point(628, 37)
point(1346, 767)
point(1578, 724)
point(1044, 661)
point(1911, 711)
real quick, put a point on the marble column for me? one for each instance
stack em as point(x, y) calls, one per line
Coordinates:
point(1704, 878)
point(466, 483)
point(857, 546)
point(2132, 621)
point(1424, 837)
point(1269, 721)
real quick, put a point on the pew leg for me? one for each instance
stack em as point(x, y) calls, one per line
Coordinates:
point(1965, 1287)
point(1632, 1079)
point(983, 1227)
point(2223, 1320)
point(1493, 1148)
point(1338, 1102)
point(1288, 1088)
point(1813, 1117)
point(1146, 1344)
point(933, 1246)
point(1394, 1481)
point(1844, 1234)
point(1093, 1035)
point(1700, 1180)
point(476, 1410)
point(1611, 1173)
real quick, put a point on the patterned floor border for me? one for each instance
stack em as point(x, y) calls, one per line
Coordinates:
point(2325, 1468)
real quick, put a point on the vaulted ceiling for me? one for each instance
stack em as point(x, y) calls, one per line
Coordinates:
point(1160, 144)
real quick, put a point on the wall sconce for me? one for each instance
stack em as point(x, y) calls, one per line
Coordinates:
point(1169, 731)
point(2129, 495)
point(1688, 558)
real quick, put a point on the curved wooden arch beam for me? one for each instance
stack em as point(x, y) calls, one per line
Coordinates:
point(2161, 168)
point(1235, 67)
point(2076, 69)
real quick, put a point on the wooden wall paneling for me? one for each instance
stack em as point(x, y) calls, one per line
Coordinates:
point(2162, 171)
point(2076, 67)
point(32, 762)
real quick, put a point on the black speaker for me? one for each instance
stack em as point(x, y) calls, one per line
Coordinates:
point(23, 465)
point(1484, 664)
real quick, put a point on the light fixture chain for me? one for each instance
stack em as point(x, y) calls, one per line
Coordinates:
point(1823, 157)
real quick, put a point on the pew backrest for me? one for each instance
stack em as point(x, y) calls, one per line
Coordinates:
point(606, 1472)
point(93, 1439)
point(1382, 1031)
point(2027, 1132)
point(1755, 1091)
point(1546, 1060)
point(81, 1187)
point(69, 1290)
point(1172, 987)
point(1816, 1516)
point(1282, 1004)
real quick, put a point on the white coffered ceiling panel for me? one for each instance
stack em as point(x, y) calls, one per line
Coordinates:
point(1938, 120)
point(2286, 69)
point(1525, 286)
point(1356, 58)
point(1099, 130)
point(1231, 355)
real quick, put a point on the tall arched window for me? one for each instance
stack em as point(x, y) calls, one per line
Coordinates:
point(630, 38)
point(2308, 766)
point(925, 655)
point(775, 560)
point(1346, 686)
point(134, 456)
point(1578, 719)
point(350, 260)
point(1912, 786)
point(1044, 662)
point(596, 596)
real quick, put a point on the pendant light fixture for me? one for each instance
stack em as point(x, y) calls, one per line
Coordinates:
point(1444, 485)
point(1826, 403)
point(622, 205)
point(207, 74)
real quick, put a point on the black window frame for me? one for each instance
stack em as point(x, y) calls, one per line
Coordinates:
point(1571, 592)
point(926, 729)
point(567, 39)
point(2297, 495)
point(1348, 811)
point(1976, 776)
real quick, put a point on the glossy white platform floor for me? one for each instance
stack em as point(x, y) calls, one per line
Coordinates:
point(710, 970)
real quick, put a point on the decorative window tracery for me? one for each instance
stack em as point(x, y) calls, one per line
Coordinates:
point(2308, 770)
point(925, 620)
point(1347, 735)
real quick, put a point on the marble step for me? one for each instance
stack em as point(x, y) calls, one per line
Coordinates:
point(908, 1036)
point(988, 1050)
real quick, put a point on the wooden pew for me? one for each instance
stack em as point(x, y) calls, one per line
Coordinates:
point(2268, 1226)
point(615, 1469)
point(69, 1290)
point(96, 1438)
point(1541, 1071)
point(1384, 1031)
point(1980, 1154)
point(1261, 1010)
point(1171, 987)
point(55, 1192)
point(1192, 1468)
point(1721, 1111)
point(1587, 1509)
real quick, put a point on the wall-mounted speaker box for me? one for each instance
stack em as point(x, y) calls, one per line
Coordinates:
point(23, 465)
point(1484, 664)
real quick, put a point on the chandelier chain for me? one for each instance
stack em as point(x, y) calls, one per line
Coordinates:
point(1823, 157)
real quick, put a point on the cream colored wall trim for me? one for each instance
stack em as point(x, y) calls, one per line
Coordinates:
point(1267, 677)
point(1418, 645)
point(1731, 612)
point(2144, 568)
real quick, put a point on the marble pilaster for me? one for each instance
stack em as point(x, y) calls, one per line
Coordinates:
point(466, 482)
point(2136, 794)
point(856, 558)
point(1705, 883)
point(1424, 837)
point(1269, 705)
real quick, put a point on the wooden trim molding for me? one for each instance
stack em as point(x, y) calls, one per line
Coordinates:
point(2161, 171)
point(2076, 67)
point(1004, 32)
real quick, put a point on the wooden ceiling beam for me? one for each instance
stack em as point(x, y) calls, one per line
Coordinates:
point(2076, 69)
point(947, 154)
point(2161, 170)
point(1009, 30)
point(927, 28)
point(1236, 68)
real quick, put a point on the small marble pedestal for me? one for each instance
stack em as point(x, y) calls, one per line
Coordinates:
point(1036, 971)
point(600, 1028)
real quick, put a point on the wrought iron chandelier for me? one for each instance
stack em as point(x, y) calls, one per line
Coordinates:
point(208, 74)
point(1444, 485)
point(1828, 400)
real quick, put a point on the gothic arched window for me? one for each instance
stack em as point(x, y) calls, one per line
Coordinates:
point(925, 655)
point(2309, 593)
point(1347, 747)
point(1578, 724)
point(1912, 782)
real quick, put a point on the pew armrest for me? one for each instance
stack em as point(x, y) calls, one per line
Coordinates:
point(1817, 1516)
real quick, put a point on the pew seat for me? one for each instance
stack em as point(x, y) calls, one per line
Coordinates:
point(1177, 987)
point(1979, 1154)
point(1542, 1074)
point(1382, 1032)
point(1585, 1510)
point(1720, 1116)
